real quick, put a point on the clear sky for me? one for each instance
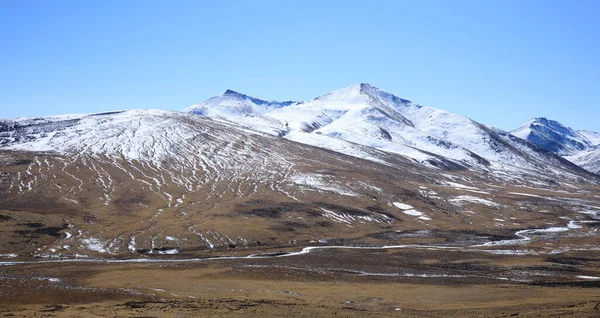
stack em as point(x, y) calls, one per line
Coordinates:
point(500, 62)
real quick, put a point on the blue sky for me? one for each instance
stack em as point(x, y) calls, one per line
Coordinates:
point(498, 62)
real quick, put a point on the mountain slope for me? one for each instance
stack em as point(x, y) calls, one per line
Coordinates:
point(365, 115)
point(146, 183)
point(592, 137)
point(588, 159)
point(578, 146)
point(155, 182)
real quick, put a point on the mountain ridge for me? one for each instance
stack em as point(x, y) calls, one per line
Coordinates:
point(350, 121)
point(369, 116)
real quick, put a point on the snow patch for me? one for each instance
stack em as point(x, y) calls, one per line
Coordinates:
point(402, 206)
point(321, 182)
point(462, 199)
point(410, 210)
point(172, 251)
point(94, 244)
point(413, 212)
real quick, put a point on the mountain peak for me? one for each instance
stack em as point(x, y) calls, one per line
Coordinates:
point(232, 93)
point(241, 96)
point(544, 120)
point(366, 86)
point(553, 136)
point(552, 124)
point(351, 93)
point(361, 88)
point(367, 89)
point(361, 93)
point(538, 123)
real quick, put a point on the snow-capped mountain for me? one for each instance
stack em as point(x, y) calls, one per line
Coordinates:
point(365, 115)
point(161, 182)
point(232, 103)
point(133, 180)
point(347, 163)
point(234, 106)
point(556, 137)
point(361, 121)
point(581, 147)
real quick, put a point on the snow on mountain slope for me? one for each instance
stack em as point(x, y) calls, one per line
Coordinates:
point(589, 160)
point(116, 133)
point(581, 147)
point(200, 150)
point(130, 180)
point(365, 115)
point(133, 135)
point(592, 137)
point(237, 107)
point(162, 141)
point(234, 103)
point(356, 116)
point(556, 137)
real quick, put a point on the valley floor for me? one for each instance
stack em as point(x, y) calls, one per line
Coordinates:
point(403, 282)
